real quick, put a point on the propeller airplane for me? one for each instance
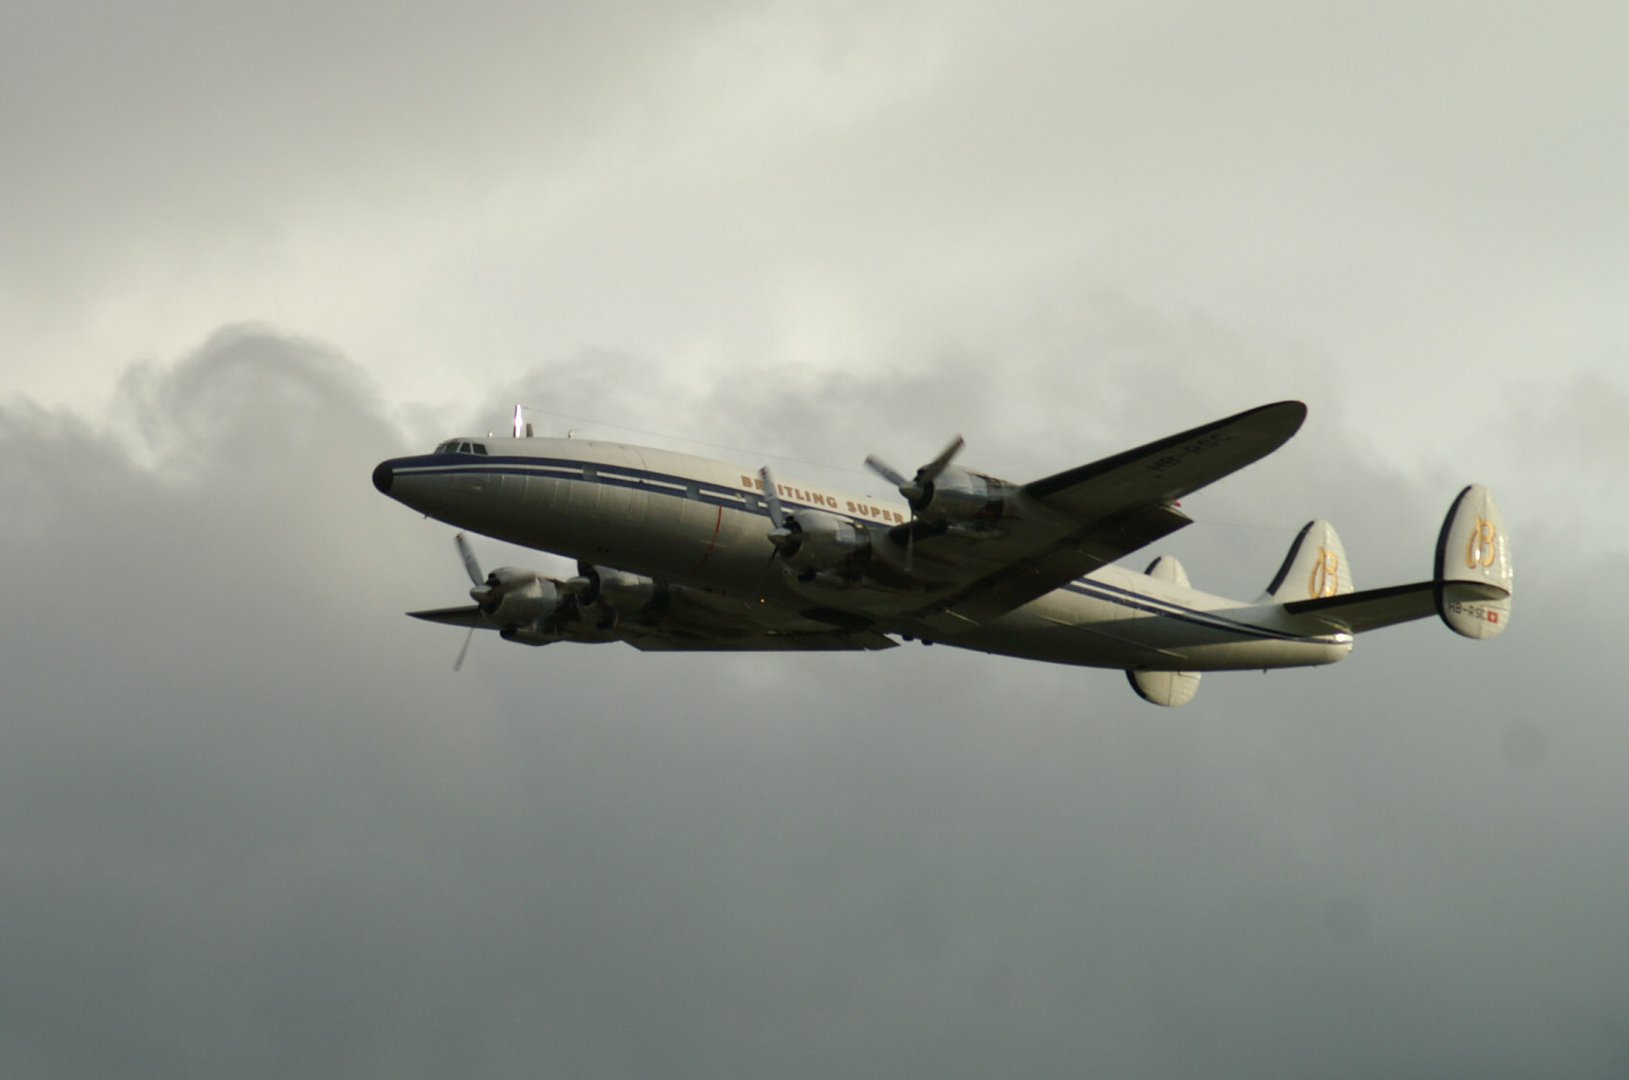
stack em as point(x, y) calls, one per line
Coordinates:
point(682, 553)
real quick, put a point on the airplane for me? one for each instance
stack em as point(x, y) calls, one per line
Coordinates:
point(682, 553)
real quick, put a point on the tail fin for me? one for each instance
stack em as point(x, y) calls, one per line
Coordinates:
point(1474, 577)
point(1168, 688)
point(1314, 569)
point(1470, 586)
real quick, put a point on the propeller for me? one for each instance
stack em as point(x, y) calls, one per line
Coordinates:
point(479, 593)
point(549, 597)
point(918, 490)
point(785, 533)
point(458, 664)
point(471, 566)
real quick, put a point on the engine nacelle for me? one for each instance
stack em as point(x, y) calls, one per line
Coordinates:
point(826, 542)
point(959, 495)
point(531, 635)
point(514, 597)
point(621, 591)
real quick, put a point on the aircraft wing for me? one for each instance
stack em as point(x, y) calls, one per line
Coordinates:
point(1073, 522)
point(691, 635)
point(468, 615)
point(823, 641)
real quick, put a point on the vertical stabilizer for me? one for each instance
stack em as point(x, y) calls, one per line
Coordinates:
point(1314, 569)
point(1168, 688)
point(1167, 568)
point(1474, 577)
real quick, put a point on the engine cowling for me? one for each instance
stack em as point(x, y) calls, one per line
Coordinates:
point(958, 495)
point(620, 590)
point(533, 634)
point(512, 597)
point(821, 541)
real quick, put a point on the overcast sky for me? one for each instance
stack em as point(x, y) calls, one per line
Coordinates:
point(252, 824)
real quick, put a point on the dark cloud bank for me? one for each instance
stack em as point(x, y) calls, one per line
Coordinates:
point(253, 825)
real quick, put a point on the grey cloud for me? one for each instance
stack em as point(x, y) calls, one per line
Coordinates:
point(723, 184)
point(250, 822)
point(253, 823)
point(1080, 381)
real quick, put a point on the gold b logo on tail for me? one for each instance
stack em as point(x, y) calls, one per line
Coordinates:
point(1326, 578)
point(1483, 546)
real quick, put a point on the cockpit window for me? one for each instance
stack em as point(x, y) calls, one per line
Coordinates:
point(479, 448)
point(446, 447)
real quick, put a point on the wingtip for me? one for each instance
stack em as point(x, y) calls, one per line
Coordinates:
point(1290, 412)
point(1289, 407)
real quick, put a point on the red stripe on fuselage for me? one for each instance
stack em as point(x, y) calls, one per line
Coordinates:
point(712, 542)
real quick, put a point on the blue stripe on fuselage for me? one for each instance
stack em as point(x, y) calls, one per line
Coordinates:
point(1113, 594)
point(681, 487)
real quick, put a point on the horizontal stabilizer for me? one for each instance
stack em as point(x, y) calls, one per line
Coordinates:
point(1168, 568)
point(1372, 608)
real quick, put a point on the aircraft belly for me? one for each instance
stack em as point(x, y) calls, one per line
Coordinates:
point(1069, 628)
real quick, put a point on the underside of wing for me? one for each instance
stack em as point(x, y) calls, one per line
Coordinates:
point(690, 635)
point(833, 641)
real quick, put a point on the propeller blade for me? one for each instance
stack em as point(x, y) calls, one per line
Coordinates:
point(882, 469)
point(471, 567)
point(916, 487)
point(458, 665)
point(784, 534)
point(772, 498)
point(926, 473)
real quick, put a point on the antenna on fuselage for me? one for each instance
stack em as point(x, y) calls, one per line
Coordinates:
point(522, 428)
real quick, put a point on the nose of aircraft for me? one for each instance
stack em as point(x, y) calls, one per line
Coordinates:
point(384, 474)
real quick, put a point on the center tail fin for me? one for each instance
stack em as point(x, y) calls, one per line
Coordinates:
point(1315, 567)
point(1168, 688)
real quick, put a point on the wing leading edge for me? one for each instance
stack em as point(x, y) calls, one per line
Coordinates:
point(688, 637)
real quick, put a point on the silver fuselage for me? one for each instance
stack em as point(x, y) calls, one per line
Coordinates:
point(702, 523)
